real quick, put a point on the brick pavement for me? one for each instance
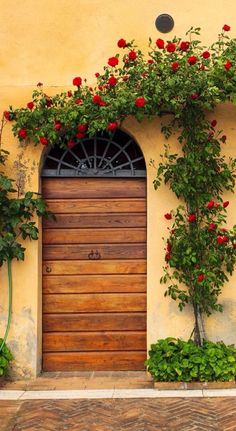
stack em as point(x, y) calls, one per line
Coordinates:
point(159, 414)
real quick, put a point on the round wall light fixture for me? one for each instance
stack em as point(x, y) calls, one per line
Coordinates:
point(164, 23)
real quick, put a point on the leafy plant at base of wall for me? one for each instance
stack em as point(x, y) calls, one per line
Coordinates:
point(184, 79)
point(16, 214)
point(173, 360)
point(5, 358)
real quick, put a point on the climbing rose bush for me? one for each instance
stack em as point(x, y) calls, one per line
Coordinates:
point(174, 73)
point(184, 79)
point(201, 252)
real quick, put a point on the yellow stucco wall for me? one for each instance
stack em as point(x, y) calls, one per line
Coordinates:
point(52, 41)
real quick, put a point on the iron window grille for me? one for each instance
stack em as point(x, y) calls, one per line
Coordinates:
point(117, 155)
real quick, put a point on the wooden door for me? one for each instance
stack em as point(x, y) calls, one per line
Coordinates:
point(94, 274)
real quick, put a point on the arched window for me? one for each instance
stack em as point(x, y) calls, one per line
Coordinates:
point(101, 156)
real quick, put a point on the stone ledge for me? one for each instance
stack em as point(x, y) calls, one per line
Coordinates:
point(194, 385)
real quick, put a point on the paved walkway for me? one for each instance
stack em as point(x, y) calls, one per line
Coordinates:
point(159, 414)
point(118, 402)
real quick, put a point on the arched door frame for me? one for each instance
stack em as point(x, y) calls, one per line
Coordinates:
point(112, 171)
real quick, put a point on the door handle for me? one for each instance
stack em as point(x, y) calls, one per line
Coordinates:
point(94, 255)
point(48, 269)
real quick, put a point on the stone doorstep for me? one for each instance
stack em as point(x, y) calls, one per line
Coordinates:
point(81, 380)
point(193, 385)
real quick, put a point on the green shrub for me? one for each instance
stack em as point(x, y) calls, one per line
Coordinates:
point(5, 357)
point(173, 360)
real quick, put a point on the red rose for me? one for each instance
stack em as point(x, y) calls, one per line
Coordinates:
point(222, 239)
point(234, 245)
point(71, 144)
point(160, 43)
point(80, 135)
point(132, 55)
point(125, 78)
point(113, 61)
point(30, 105)
point(206, 54)
point(168, 216)
point(97, 99)
point(140, 102)
point(77, 81)
point(82, 128)
point(192, 217)
point(212, 226)
point(112, 126)
point(168, 247)
point(171, 47)
point(97, 74)
point(57, 125)
point(226, 27)
point(210, 205)
point(150, 61)
point(192, 60)
point(69, 93)
point(78, 101)
point(213, 123)
point(43, 140)
point(175, 66)
point(22, 133)
point(121, 43)
point(223, 138)
point(227, 65)
point(103, 103)
point(112, 81)
point(167, 257)
point(225, 204)
point(200, 277)
point(184, 46)
point(7, 115)
point(194, 96)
